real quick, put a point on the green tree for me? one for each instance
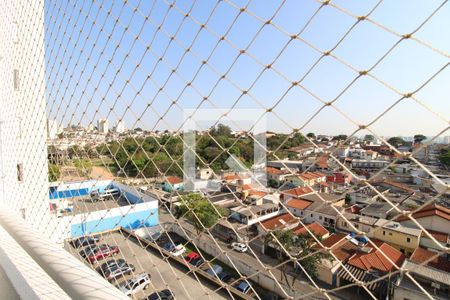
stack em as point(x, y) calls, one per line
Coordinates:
point(300, 247)
point(200, 211)
point(418, 138)
point(396, 141)
point(444, 157)
point(348, 199)
point(340, 137)
point(53, 172)
point(311, 135)
point(369, 138)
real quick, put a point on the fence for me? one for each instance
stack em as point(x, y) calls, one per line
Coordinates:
point(347, 103)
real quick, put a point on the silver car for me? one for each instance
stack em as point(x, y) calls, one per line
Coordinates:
point(139, 283)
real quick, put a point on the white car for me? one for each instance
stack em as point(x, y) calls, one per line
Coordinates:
point(240, 247)
point(139, 283)
point(178, 250)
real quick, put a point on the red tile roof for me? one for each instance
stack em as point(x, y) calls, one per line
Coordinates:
point(340, 246)
point(246, 187)
point(299, 191)
point(231, 177)
point(315, 228)
point(334, 239)
point(421, 255)
point(376, 259)
point(311, 175)
point(253, 192)
point(276, 171)
point(174, 179)
point(298, 203)
point(322, 162)
point(429, 211)
point(279, 222)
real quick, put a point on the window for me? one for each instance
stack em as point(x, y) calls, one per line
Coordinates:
point(16, 80)
point(311, 215)
point(320, 217)
point(20, 172)
point(384, 232)
point(390, 233)
point(408, 240)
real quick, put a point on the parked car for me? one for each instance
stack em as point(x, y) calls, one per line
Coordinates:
point(162, 295)
point(84, 241)
point(215, 270)
point(110, 263)
point(178, 250)
point(191, 256)
point(240, 247)
point(224, 276)
point(197, 262)
point(139, 283)
point(101, 252)
point(169, 246)
point(117, 271)
point(242, 286)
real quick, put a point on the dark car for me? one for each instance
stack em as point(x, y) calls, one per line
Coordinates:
point(88, 250)
point(109, 264)
point(117, 271)
point(197, 262)
point(224, 276)
point(84, 241)
point(162, 295)
point(242, 286)
point(169, 246)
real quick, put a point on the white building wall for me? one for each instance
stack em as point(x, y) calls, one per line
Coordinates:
point(22, 111)
point(431, 223)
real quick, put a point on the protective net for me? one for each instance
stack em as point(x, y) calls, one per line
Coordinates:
point(236, 149)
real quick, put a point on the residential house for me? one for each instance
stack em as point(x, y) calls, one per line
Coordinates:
point(431, 217)
point(281, 222)
point(368, 164)
point(362, 223)
point(342, 249)
point(253, 214)
point(296, 193)
point(339, 178)
point(435, 240)
point(380, 210)
point(430, 270)
point(306, 179)
point(277, 176)
point(405, 239)
point(367, 265)
point(315, 228)
point(319, 207)
point(173, 183)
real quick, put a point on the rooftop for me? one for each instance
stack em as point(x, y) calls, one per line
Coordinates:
point(299, 191)
point(317, 229)
point(429, 211)
point(298, 203)
point(421, 255)
point(279, 222)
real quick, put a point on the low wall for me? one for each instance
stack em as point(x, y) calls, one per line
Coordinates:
point(76, 189)
point(131, 216)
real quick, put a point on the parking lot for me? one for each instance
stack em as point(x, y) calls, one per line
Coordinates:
point(165, 273)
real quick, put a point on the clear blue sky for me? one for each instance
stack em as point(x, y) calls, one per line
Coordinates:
point(81, 90)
